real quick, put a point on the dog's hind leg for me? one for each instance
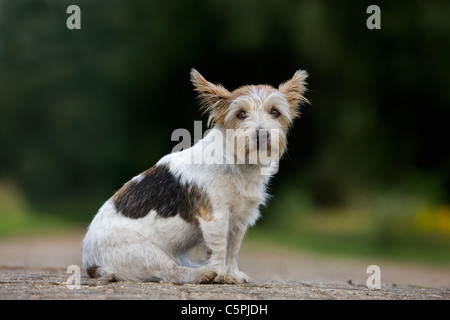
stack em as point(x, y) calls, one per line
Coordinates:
point(146, 261)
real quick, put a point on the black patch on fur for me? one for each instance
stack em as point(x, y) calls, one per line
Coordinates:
point(92, 272)
point(161, 191)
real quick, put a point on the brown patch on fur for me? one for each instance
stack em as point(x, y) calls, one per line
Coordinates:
point(205, 214)
point(162, 191)
point(120, 193)
point(202, 206)
point(241, 91)
point(247, 90)
point(293, 90)
point(285, 122)
point(221, 112)
point(233, 123)
point(214, 97)
point(281, 148)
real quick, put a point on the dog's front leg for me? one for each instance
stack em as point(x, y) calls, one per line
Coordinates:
point(235, 236)
point(215, 233)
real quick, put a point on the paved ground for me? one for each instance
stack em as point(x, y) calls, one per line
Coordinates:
point(35, 268)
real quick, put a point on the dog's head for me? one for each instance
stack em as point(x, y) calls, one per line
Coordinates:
point(254, 118)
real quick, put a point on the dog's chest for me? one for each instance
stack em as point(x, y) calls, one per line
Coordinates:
point(243, 196)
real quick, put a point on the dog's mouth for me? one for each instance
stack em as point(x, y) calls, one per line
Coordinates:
point(263, 142)
point(256, 147)
point(261, 148)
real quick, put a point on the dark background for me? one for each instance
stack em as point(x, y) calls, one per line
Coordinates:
point(83, 111)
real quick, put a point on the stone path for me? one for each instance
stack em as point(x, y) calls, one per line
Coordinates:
point(36, 268)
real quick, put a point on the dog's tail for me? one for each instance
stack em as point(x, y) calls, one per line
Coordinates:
point(99, 272)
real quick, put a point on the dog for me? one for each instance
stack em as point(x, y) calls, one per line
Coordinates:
point(147, 229)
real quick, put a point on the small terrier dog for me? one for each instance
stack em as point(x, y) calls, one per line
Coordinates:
point(147, 229)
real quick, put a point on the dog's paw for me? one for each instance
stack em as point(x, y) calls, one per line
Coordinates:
point(241, 277)
point(225, 278)
point(206, 276)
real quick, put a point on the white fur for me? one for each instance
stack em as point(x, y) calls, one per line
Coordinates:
point(155, 248)
point(124, 247)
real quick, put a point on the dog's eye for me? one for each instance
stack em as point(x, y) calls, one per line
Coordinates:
point(275, 112)
point(241, 115)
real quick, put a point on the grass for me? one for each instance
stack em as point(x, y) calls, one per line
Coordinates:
point(18, 219)
point(34, 224)
point(392, 226)
point(398, 229)
point(350, 246)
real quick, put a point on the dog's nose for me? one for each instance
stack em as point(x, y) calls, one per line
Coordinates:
point(261, 137)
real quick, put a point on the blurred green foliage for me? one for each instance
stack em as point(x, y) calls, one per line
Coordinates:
point(82, 111)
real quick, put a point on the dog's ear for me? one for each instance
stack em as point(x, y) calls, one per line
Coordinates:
point(214, 97)
point(294, 90)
